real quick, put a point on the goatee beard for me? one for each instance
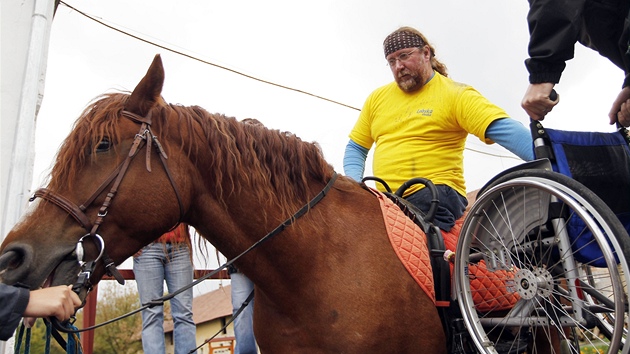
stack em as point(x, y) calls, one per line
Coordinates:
point(409, 84)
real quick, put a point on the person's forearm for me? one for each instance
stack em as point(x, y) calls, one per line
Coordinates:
point(354, 160)
point(14, 301)
point(554, 29)
point(513, 136)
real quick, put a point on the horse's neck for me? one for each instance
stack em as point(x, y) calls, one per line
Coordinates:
point(232, 227)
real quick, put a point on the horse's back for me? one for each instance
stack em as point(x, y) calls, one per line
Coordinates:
point(360, 297)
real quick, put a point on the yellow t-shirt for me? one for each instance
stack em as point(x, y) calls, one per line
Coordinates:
point(422, 134)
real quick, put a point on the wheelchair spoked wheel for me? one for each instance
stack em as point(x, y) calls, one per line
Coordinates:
point(545, 296)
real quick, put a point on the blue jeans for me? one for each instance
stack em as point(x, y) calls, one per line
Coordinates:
point(244, 323)
point(156, 263)
point(451, 207)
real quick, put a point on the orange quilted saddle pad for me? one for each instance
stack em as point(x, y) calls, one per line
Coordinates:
point(490, 289)
point(409, 243)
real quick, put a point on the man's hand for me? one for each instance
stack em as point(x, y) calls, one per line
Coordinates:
point(536, 101)
point(620, 111)
point(58, 301)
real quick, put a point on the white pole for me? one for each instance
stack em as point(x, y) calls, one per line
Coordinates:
point(22, 156)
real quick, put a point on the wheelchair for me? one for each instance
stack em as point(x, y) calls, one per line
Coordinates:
point(554, 231)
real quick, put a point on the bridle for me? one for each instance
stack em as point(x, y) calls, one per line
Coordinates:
point(144, 136)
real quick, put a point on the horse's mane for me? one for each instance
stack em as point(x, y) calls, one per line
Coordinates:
point(276, 166)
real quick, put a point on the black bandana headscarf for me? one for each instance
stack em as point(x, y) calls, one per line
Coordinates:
point(401, 40)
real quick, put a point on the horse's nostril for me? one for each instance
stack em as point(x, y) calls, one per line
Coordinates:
point(10, 260)
point(15, 262)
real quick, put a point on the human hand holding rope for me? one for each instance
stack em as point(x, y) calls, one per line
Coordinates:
point(57, 301)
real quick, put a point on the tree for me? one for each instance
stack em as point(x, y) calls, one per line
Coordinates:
point(118, 337)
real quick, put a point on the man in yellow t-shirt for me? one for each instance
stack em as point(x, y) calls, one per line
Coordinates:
point(419, 124)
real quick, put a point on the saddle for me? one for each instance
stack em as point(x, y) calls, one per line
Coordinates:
point(435, 242)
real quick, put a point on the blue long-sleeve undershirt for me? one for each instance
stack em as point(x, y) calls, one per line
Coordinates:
point(354, 160)
point(513, 136)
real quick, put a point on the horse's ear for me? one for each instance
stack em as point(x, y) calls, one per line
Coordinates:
point(148, 92)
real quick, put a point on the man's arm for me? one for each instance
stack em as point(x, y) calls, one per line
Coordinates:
point(512, 135)
point(354, 160)
point(14, 301)
point(58, 301)
point(554, 27)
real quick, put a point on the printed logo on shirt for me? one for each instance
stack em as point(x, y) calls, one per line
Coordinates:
point(425, 112)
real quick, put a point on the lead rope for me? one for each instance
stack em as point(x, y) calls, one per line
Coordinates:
point(27, 342)
point(72, 346)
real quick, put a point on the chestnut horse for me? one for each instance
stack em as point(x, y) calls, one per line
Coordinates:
point(330, 282)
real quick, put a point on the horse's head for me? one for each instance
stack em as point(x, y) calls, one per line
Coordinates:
point(108, 169)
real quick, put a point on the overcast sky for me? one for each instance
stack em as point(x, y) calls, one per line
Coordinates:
point(327, 48)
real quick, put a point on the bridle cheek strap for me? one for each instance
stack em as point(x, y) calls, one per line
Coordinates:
point(135, 147)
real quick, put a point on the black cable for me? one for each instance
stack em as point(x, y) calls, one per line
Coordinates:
point(206, 62)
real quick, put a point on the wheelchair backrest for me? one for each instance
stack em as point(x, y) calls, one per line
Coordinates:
point(600, 161)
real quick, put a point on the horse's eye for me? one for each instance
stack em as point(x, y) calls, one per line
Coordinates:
point(103, 145)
